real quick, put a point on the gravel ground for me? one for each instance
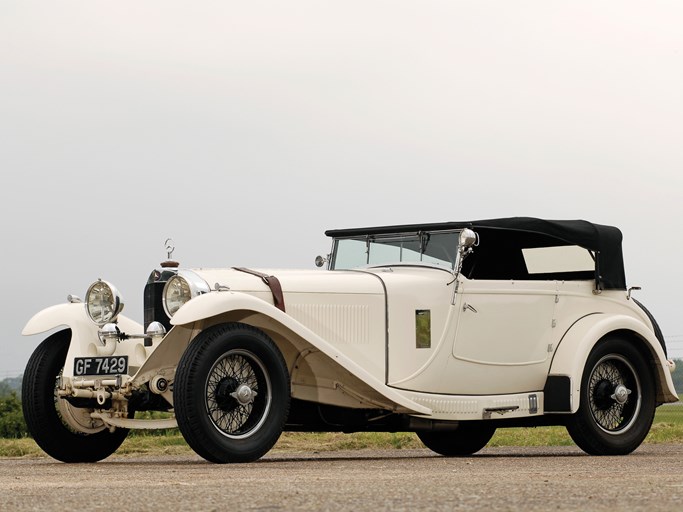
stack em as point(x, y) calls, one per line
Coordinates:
point(557, 478)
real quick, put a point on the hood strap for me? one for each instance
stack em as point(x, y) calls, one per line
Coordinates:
point(272, 282)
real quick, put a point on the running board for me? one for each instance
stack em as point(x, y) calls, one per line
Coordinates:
point(478, 407)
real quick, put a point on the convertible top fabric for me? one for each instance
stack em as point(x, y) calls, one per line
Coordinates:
point(603, 241)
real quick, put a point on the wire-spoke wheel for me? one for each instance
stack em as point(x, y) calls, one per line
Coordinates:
point(617, 400)
point(610, 389)
point(231, 393)
point(238, 394)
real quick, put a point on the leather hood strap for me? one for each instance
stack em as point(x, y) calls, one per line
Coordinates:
point(272, 282)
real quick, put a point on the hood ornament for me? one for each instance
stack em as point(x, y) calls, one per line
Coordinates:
point(170, 247)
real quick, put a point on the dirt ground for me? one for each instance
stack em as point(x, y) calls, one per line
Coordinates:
point(558, 478)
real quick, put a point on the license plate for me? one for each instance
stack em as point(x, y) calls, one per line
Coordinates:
point(110, 365)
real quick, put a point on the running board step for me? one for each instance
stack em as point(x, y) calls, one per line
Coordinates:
point(498, 410)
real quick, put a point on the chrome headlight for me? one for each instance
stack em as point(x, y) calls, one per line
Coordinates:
point(181, 288)
point(103, 302)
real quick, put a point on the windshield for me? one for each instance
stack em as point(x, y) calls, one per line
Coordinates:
point(428, 248)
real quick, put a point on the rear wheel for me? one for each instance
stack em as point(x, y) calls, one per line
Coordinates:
point(231, 393)
point(469, 438)
point(617, 400)
point(64, 432)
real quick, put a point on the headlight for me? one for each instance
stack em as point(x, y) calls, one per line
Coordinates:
point(103, 302)
point(181, 288)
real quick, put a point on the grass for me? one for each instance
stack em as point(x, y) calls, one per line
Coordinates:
point(667, 428)
point(19, 448)
point(329, 442)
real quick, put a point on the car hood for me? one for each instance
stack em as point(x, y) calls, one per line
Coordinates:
point(294, 281)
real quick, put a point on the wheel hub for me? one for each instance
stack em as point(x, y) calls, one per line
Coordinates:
point(603, 393)
point(621, 393)
point(224, 394)
point(244, 394)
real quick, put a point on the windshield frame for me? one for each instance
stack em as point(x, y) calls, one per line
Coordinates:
point(420, 237)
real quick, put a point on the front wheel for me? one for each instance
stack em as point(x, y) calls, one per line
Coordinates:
point(469, 438)
point(231, 393)
point(617, 400)
point(64, 432)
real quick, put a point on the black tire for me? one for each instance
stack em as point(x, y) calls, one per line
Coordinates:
point(617, 400)
point(231, 393)
point(469, 438)
point(45, 415)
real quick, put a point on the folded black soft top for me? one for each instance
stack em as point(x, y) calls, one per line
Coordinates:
point(604, 241)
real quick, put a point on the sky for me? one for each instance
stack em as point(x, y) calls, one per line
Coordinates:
point(244, 130)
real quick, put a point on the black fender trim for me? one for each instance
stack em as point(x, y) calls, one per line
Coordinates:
point(658, 331)
point(557, 394)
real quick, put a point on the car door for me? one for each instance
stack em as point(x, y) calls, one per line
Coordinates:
point(502, 338)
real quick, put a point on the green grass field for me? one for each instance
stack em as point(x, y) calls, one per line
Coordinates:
point(667, 428)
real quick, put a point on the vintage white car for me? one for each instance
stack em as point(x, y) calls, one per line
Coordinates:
point(449, 330)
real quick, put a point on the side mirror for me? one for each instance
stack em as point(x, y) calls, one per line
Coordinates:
point(468, 239)
point(320, 261)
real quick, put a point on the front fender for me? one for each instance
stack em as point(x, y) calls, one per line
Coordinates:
point(73, 316)
point(575, 347)
point(84, 338)
point(61, 315)
point(219, 302)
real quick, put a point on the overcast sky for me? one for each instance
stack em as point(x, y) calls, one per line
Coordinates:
point(244, 130)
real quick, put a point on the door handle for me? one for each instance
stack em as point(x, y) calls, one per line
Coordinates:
point(467, 306)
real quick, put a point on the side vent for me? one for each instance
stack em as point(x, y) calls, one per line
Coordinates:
point(423, 328)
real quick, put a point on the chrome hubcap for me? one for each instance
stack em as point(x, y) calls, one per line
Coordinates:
point(244, 394)
point(621, 394)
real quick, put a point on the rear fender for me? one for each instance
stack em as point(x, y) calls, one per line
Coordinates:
point(572, 353)
point(319, 371)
